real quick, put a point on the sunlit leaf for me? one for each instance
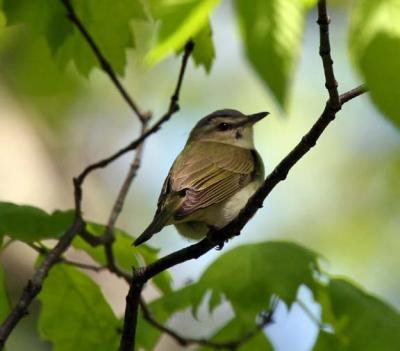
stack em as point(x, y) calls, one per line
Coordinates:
point(74, 314)
point(179, 22)
point(374, 43)
point(360, 321)
point(272, 32)
point(29, 223)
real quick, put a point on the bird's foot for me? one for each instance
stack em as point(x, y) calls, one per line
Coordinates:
point(214, 239)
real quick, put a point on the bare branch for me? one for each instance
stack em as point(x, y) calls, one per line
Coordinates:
point(119, 202)
point(43, 250)
point(104, 64)
point(353, 93)
point(325, 53)
point(266, 319)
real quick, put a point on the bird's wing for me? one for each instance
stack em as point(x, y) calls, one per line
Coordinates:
point(208, 174)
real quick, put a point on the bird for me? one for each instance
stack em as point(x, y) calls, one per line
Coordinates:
point(212, 178)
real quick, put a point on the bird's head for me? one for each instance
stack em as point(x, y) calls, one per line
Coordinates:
point(228, 127)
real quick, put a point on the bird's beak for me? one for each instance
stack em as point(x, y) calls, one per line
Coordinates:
point(254, 118)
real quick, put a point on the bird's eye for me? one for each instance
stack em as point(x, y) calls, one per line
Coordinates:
point(224, 126)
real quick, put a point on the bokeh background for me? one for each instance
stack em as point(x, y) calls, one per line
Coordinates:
point(342, 199)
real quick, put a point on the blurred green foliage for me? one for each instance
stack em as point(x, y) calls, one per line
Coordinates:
point(272, 33)
point(31, 224)
point(375, 47)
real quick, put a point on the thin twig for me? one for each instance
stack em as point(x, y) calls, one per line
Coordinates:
point(43, 250)
point(119, 202)
point(266, 319)
point(325, 53)
point(104, 64)
point(309, 314)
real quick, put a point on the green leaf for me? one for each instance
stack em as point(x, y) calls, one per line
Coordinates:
point(123, 251)
point(107, 21)
point(233, 331)
point(181, 21)
point(204, 52)
point(360, 321)
point(327, 342)
point(261, 271)
point(3, 19)
point(272, 32)
point(374, 43)
point(126, 255)
point(113, 38)
point(5, 306)
point(74, 314)
point(43, 17)
point(29, 223)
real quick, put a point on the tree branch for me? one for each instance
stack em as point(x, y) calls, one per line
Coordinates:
point(104, 64)
point(119, 202)
point(43, 250)
point(325, 53)
point(266, 319)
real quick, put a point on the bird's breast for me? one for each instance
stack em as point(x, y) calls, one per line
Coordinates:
point(221, 214)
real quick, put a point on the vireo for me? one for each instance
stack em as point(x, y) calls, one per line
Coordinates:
point(212, 178)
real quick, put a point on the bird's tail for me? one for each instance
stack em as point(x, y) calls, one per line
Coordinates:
point(154, 227)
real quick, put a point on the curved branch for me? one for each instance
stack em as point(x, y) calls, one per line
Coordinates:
point(266, 319)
